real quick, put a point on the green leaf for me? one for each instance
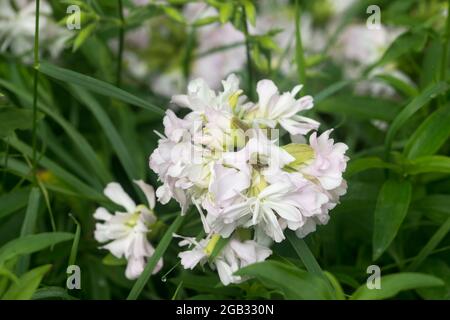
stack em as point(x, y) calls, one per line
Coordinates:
point(27, 284)
point(76, 241)
point(331, 90)
point(52, 293)
point(31, 243)
point(435, 202)
point(29, 225)
point(299, 52)
point(431, 134)
point(78, 139)
point(82, 36)
point(399, 84)
point(364, 108)
point(293, 282)
point(218, 247)
point(363, 164)
point(425, 96)
point(13, 201)
point(15, 119)
point(115, 139)
point(225, 11)
point(97, 86)
point(439, 268)
point(340, 295)
point(428, 164)
point(58, 171)
point(437, 237)
point(174, 14)
point(29, 222)
point(405, 43)
point(151, 263)
point(111, 260)
point(391, 208)
point(250, 12)
point(392, 284)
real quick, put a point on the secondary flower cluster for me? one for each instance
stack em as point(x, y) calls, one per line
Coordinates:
point(126, 232)
point(17, 24)
point(225, 158)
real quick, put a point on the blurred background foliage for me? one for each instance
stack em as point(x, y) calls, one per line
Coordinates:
point(385, 92)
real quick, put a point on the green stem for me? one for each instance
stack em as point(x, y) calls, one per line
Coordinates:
point(249, 58)
point(308, 259)
point(121, 43)
point(299, 53)
point(35, 90)
point(151, 263)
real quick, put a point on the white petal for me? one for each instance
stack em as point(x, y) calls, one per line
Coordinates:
point(265, 89)
point(102, 214)
point(226, 273)
point(115, 192)
point(148, 191)
point(119, 247)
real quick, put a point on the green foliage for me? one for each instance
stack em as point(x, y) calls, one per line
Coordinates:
point(89, 132)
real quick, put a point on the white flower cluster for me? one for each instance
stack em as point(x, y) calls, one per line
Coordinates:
point(224, 157)
point(17, 28)
point(126, 232)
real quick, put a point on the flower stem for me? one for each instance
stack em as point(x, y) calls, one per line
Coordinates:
point(121, 43)
point(299, 53)
point(153, 260)
point(249, 59)
point(35, 91)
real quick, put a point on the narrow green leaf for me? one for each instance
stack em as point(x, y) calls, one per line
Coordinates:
point(151, 263)
point(308, 259)
point(404, 44)
point(399, 84)
point(391, 208)
point(13, 201)
point(29, 222)
point(392, 284)
point(421, 100)
point(218, 247)
point(293, 282)
point(78, 139)
point(15, 119)
point(340, 295)
point(363, 164)
point(29, 225)
point(299, 54)
point(76, 241)
point(85, 33)
point(27, 284)
point(31, 243)
point(61, 173)
point(97, 86)
point(115, 139)
point(52, 293)
point(173, 14)
point(225, 11)
point(250, 12)
point(431, 134)
point(437, 237)
point(332, 89)
point(428, 164)
point(364, 108)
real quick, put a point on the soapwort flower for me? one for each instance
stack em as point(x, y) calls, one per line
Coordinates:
point(125, 233)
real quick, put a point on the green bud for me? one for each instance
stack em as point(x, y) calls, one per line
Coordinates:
point(302, 153)
point(212, 244)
